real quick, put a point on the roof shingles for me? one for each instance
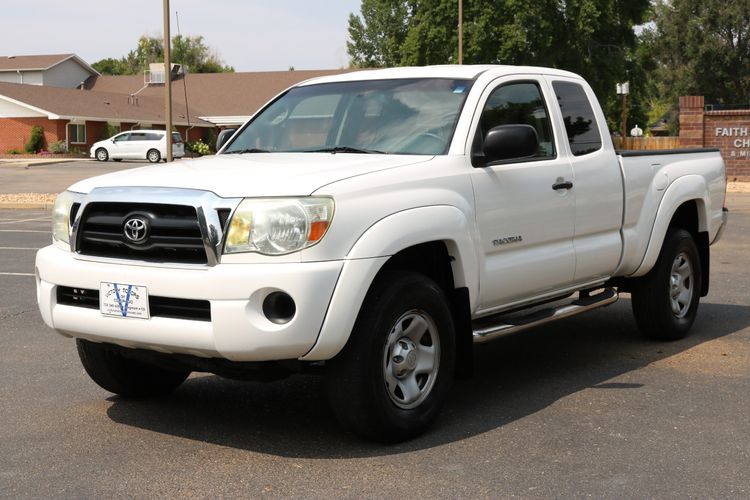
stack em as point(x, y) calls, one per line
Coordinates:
point(28, 63)
point(73, 103)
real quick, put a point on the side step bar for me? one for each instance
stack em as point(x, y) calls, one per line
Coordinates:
point(486, 329)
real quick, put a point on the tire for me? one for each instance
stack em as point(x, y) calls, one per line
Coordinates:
point(153, 155)
point(102, 154)
point(124, 376)
point(665, 301)
point(376, 386)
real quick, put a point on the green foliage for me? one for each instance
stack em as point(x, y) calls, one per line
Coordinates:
point(593, 38)
point(14, 151)
point(700, 47)
point(190, 51)
point(375, 40)
point(109, 130)
point(211, 138)
point(193, 53)
point(111, 66)
point(198, 147)
point(58, 147)
point(36, 140)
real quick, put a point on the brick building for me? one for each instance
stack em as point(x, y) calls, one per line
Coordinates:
point(74, 104)
point(728, 130)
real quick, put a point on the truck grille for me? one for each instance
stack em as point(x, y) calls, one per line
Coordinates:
point(161, 233)
point(163, 307)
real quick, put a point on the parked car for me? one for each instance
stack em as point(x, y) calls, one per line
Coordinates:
point(138, 145)
point(372, 226)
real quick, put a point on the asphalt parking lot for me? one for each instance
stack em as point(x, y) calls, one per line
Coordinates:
point(54, 178)
point(584, 407)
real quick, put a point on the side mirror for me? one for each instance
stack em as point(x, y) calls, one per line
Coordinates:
point(506, 142)
point(224, 136)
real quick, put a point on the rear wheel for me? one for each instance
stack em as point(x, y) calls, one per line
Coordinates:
point(391, 379)
point(102, 154)
point(665, 301)
point(153, 155)
point(124, 376)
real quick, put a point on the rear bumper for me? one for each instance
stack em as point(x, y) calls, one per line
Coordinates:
point(238, 329)
point(724, 220)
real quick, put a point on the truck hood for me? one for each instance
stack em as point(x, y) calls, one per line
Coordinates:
point(252, 174)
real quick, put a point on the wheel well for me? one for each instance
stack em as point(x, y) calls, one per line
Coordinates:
point(686, 217)
point(433, 260)
point(430, 259)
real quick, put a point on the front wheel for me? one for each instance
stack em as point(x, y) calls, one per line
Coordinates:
point(153, 156)
point(665, 301)
point(391, 379)
point(125, 376)
point(102, 155)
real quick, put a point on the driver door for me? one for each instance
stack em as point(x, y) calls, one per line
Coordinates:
point(120, 145)
point(525, 225)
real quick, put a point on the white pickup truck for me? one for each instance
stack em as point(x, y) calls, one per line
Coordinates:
point(373, 226)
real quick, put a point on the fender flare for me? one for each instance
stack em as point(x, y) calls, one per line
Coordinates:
point(372, 250)
point(682, 190)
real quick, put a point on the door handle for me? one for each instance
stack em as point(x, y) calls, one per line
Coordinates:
point(560, 184)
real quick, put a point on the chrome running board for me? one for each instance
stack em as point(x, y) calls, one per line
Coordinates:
point(486, 329)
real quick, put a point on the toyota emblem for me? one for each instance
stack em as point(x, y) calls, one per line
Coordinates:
point(136, 229)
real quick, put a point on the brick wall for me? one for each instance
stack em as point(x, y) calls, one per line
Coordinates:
point(691, 121)
point(727, 130)
point(14, 132)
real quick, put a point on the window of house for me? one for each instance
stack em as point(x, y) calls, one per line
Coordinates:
point(76, 133)
point(517, 104)
point(578, 115)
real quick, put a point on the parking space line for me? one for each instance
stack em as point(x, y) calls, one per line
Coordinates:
point(16, 274)
point(45, 218)
point(23, 231)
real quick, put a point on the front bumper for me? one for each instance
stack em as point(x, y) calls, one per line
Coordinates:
point(238, 329)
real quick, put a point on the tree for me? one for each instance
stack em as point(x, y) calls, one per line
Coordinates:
point(701, 47)
point(375, 39)
point(190, 51)
point(591, 37)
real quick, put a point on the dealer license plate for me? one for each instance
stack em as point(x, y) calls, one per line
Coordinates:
point(123, 300)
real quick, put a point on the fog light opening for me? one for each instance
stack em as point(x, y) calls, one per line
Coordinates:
point(279, 308)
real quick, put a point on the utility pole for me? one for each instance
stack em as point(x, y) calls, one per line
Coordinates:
point(623, 89)
point(460, 32)
point(167, 82)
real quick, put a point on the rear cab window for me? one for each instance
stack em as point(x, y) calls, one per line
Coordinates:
point(578, 115)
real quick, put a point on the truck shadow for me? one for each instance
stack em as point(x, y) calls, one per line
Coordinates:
point(514, 377)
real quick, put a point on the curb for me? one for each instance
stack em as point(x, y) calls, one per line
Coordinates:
point(34, 163)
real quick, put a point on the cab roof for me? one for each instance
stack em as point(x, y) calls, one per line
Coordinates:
point(468, 72)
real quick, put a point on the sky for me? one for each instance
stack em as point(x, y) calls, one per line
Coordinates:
point(250, 35)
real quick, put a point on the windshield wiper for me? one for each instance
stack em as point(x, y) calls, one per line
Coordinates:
point(249, 150)
point(345, 149)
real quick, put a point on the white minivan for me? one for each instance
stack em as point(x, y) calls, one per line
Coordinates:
point(138, 145)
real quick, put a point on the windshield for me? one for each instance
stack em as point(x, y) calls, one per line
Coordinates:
point(405, 116)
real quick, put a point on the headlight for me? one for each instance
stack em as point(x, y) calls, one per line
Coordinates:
point(279, 225)
point(61, 217)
